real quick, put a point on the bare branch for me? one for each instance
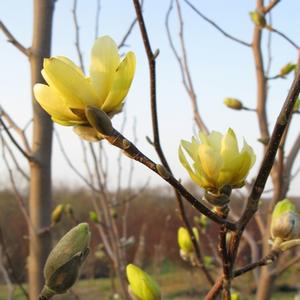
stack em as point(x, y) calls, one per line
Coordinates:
point(267, 164)
point(77, 37)
point(183, 65)
point(14, 141)
point(270, 6)
point(215, 25)
point(11, 39)
point(292, 43)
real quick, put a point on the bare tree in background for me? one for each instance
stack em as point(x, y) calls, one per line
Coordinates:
point(39, 156)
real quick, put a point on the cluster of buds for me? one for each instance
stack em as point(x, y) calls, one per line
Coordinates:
point(186, 247)
point(285, 222)
point(65, 260)
point(69, 92)
point(217, 164)
point(141, 285)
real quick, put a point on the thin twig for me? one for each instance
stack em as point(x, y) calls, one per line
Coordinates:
point(11, 39)
point(77, 36)
point(285, 37)
point(197, 11)
point(270, 6)
point(14, 141)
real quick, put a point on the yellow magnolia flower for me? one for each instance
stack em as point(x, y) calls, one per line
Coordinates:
point(69, 91)
point(217, 161)
point(141, 285)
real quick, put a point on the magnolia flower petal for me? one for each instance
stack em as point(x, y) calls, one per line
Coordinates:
point(229, 147)
point(215, 140)
point(53, 104)
point(104, 62)
point(71, 84)
point(211, 161)
point(187, 166)
point(121, 83)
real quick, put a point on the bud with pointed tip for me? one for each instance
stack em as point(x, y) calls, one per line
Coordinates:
point(233, 103)
point(99, 120)
point(141, 285)
point(57, 213)
point(258, 19)
point(64, 261)
point(285, 221)
point(287, 69)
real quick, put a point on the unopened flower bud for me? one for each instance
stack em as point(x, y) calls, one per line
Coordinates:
point(233, 103)
point(235, 296)
point(287, 69)
point(69, 210)
point(141, 285)
point(64, 261)
point(258, 19)
point(296, 105)
point(94, 217)
point(57, 213)
point(99, 120)
point(185, 241)
point(285, 221)
point(113, 213)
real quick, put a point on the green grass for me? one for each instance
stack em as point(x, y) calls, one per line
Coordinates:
point(176, 283)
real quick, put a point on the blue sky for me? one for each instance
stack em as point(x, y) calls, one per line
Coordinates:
point(219, 67)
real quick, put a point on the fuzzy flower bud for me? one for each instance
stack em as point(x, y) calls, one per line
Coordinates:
point(217, 161)
point(233, 103)
point(258, 19)
point(57, 213)
point(64, 261)
point(287, 69)
point(285, 221)
point(141, 285)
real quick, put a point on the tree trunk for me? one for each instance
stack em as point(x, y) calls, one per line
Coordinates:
point(266, 284)
point(40, 168)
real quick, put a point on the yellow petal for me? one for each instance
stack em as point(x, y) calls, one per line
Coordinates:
point(104, 62)
point(53, 104)
point(121, 83)
point(187, 166)
point(229, 147)
point(69, 82)
point(211, 161)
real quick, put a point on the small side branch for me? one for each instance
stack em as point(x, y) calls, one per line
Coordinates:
point(11, 39)
point(200, 14)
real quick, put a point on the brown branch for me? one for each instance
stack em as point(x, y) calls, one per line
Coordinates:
point(267, 164)
point(197, 11)
point(14, 141)
point(11, 39)
point(118, 140)
point(285, 37)
point(268, 259)
point(270, 6)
